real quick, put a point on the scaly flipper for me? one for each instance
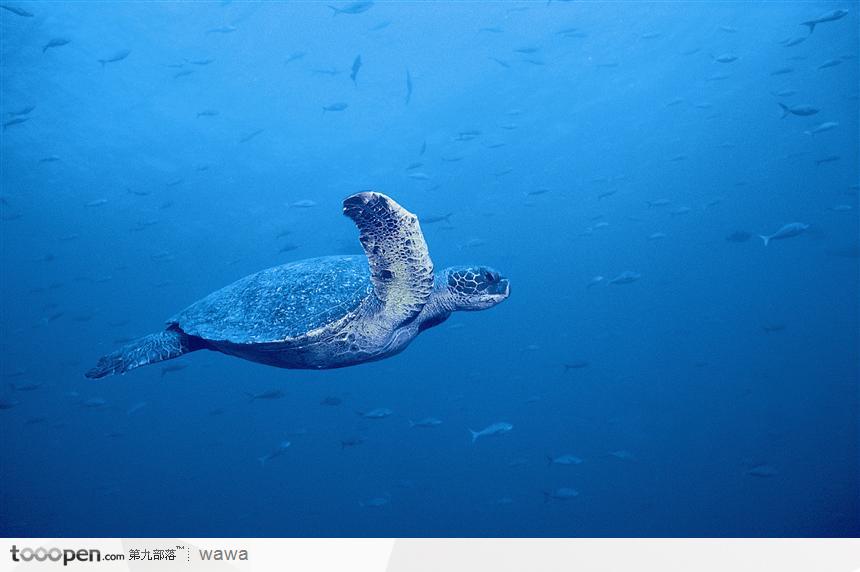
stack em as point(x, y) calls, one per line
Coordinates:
point(400, 266)
point(149, 349)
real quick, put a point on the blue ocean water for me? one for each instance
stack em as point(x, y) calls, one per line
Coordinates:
point(665, 372)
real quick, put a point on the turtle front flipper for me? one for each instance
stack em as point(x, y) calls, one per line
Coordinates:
point(400, 266)
point(169, 344)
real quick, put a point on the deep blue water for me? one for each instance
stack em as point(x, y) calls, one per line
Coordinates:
point(717, 394)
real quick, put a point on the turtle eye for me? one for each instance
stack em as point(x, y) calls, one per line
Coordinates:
point(489, 276)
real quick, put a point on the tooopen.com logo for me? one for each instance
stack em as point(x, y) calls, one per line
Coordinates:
point(66, 555)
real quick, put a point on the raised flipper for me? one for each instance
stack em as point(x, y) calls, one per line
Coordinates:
point(400, 266)
point(169, 344)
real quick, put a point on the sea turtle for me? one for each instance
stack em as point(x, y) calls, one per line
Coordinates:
point(327, 312)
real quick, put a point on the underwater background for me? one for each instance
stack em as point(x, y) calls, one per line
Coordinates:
point(665, 372)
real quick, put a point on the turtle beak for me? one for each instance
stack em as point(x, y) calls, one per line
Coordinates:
point(503, 290)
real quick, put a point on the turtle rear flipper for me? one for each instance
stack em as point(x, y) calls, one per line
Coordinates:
point(169, 344)
point(400, 266)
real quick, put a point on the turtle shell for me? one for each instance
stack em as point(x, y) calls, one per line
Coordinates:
point(280, 303)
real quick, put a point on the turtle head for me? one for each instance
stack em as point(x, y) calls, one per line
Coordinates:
point(475, 287)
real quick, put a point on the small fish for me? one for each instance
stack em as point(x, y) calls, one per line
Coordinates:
point(23, 111)
point(799, 110)
point(378, 413)
point(739, 236)
point(787, 231)
point(782, 71)
point(436, 218)
point(680, 211)
point(331, 401)
point(830, 64)
point(251, 135)
point(116, 57)
point(772, 328)
point(725, 58)
point(50, 159)
point(499, 428)
point(339, 106)
point(626, 277)
point(17, 11)
point(578, 364)
point(97, 203)
point(822, 127)
point(657, 236)
point(658, 203)
point(353, 8)
point(14, 121)
point(564, 460)
point(828, 159)
point(795, 41)
point(622, 454)
point(201, 62)
point(351, 442)
point(784, 93)
point(356, 65)
point(828, 17)
point(376, 502)
point(172, 368)
point(419, 176)
point(303, 204)
point(426, 422)
point(268, 394)
point(183, 73)
point(136, 407)
point(6, 403)
point(294, 56)
point(289, 247)
point(94, 403)
point(208, 113)
point(502, 63)
point(55, 43)
point(408, 87)
point(594, 281)
point(222, 30)
point(563, 493)
point(536, 192)
point(280, 450)
point(31, 386)
point(762, 471)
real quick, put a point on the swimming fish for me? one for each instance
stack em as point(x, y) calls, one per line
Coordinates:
point(207, 113)
point(304, 204)
point(830, 64)
point(725, 58)
point(564, 460)
point(626, 277)
point(14, 121)
point(356, 65)
point(17, 11)
point(280, 450)
point(339, 106)
point(821, 128)
point(499, 428)
point(426, 422)
point(222, 30)
point(116, 57)
point(408, 87)
point(563, 493)
point(828, 17)
point(799, 110)
point(437, 218)
point(378, 413)
point(22, 111)
point(331, 401)
point(251, 135)
point(353, 8)
point(55, 43)
point(294, 56)
point(268, 394)
point(787, 231)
